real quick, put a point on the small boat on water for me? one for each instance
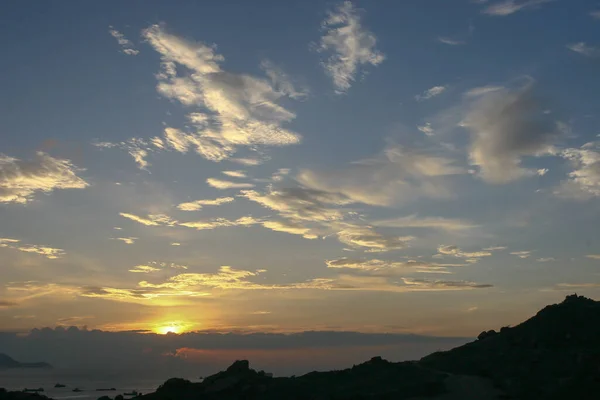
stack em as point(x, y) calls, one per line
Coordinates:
point(77, 390)
point(106, 390)
point(132, 393)
point(60, 385)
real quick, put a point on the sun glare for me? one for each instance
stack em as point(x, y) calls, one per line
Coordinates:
point(170, 327)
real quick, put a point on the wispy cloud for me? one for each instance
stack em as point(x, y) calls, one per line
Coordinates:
point(398, 175)
point(482, 90)
point(584, 180)
point(235, 174)
point(222, 184)
point(426, 129)
point(46, 251)
point(584, 49)
point(593, 256)
point(522, 254)
point(250, 162)
point(545, 259)
point(20, 180)
point(450, 41)
point(507, 125)
point(440, 284)
point(198, 204)
point(595, 14)
point(383, 267)
point(230, 110)
point(430, 93)
point(126, 45)
point(221, 222)
point(365, 237)
point(127, 240)
point(282, 82)
point(508, 7)
point(454, 251)
point(439, 223)
point(291, 227)
point(150, 220)
point(145, 269)
point(351, 44)
point(138, 149)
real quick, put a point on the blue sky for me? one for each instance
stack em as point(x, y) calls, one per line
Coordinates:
point(285, 166)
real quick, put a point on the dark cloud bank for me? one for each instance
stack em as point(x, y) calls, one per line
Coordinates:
point(195, 354)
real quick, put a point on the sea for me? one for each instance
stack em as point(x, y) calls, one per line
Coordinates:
point(19, 379)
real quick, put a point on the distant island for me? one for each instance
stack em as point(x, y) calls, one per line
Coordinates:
point(7, 362)
point(554, 355)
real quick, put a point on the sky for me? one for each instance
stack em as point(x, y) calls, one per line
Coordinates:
point(428, 168)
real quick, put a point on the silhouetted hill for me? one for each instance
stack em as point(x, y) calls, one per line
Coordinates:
point(554, 355)
point(4, 395)
point(8, 362)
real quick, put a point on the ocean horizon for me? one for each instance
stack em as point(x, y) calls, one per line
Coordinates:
point(18, 380)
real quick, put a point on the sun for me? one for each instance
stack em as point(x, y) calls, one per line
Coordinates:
point(163, 330)
point(170, 327)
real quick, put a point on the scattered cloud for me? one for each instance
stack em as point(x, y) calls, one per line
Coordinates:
point(365, 237)
point(454, 251)
point(291, 227)
point(423, 284)
point(383, 267)
point(570, 286)
point(594, 256)
point(175, 244)
point(282, 82)
point(222, 184)
point(546, 259)
point(250, 162)
point(235, 174)
point(127, 240)
point(522, 254)
point(220, 222)
point(198, 204)
point(505, 126)
point(450, 41)
point(126, 45)
point(145, 269)
point(280, 174)
point(300, 203)
point(495, 248)
point(430, 93)
point(426, 129)
point(438, 223)
point(584, 180)
point(351, 46)
point(260, 312)
point(138, 149)
point(230, 110)
point(584, 49)
point(595, 14)
point(398, 175)
point(46, 251)
point(508, 7)
point(20, 180)
point(542, 171)
point(6, 303)
point(150, 220)
point(482, 90)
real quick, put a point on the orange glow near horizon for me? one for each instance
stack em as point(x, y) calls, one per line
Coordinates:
point(171, 327)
